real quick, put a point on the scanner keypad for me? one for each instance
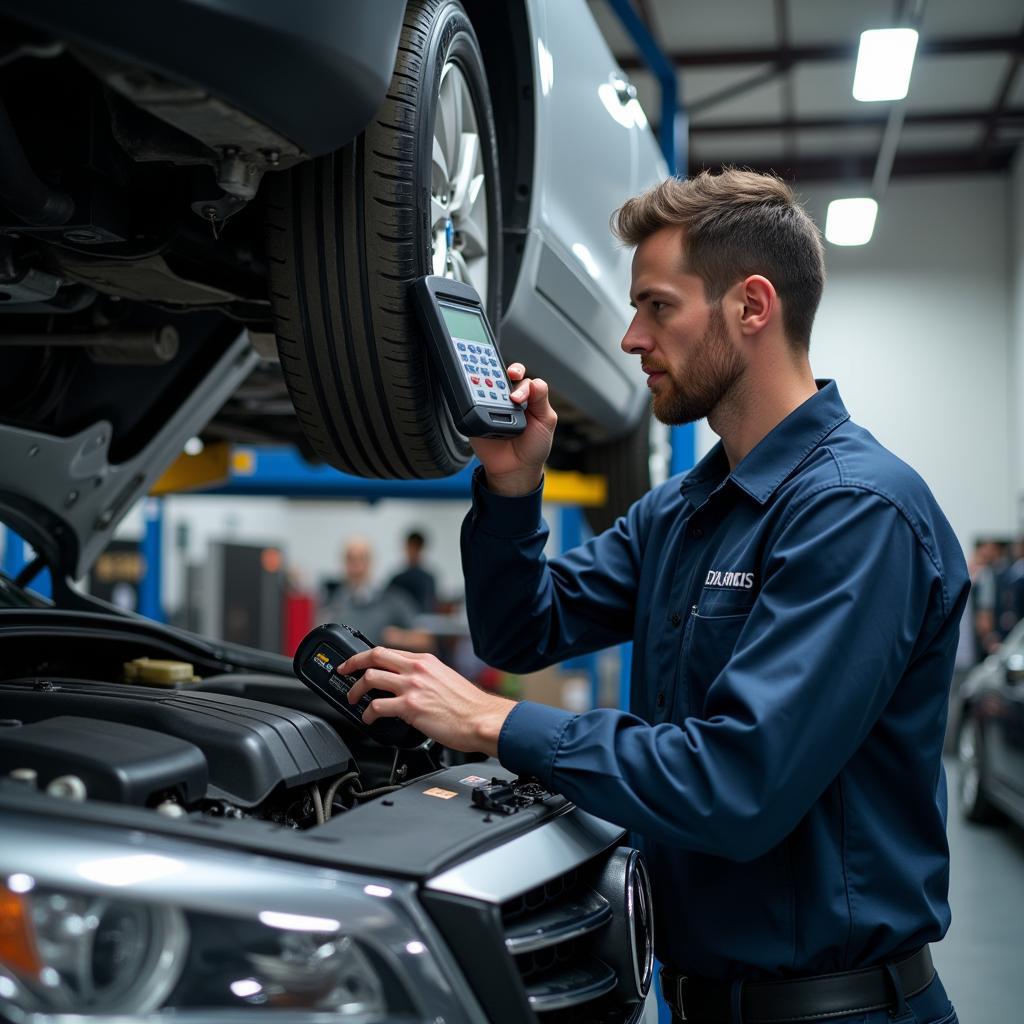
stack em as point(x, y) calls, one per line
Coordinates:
point(484, 374)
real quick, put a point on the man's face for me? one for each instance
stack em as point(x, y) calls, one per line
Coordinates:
point(682, 340)
point(357, 563)
point(987, 552)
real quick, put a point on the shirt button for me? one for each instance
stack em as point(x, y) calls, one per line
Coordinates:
point(661, 699)
point(676, 618)
point(696, 531)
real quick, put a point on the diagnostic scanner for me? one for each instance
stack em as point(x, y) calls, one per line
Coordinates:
point(316, 661)
point(469, 364)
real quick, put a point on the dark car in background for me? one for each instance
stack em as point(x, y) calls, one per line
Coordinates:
point(991, 737)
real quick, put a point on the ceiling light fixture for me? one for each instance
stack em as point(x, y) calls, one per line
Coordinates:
point(850, 221)
point(884, 62)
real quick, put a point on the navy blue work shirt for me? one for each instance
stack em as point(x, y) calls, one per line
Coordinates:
point(794, 624)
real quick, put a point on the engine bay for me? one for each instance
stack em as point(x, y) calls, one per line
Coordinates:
point(198, 747)
point(123, 722)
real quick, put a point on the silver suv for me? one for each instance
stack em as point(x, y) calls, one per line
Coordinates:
point(178, 169)
point(209, 213)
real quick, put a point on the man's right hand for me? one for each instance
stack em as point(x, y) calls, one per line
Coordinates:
point(515, 467)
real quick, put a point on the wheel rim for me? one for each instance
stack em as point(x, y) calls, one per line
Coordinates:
point(970, 770)
point(458, 186)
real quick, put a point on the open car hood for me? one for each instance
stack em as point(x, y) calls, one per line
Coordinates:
point(65, 492)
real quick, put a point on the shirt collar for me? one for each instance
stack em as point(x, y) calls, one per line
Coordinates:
point(776, 455)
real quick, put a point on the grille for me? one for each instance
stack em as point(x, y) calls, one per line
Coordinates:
point(548, 931)
point(574, 949)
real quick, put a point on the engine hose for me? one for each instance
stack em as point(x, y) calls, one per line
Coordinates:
point(21, 191)
point(318, 803)
point(329, 800)
point(369, 794)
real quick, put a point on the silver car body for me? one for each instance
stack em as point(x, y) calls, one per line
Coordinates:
point(594, 149)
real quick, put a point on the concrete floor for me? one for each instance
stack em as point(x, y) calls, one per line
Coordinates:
point(981, 959)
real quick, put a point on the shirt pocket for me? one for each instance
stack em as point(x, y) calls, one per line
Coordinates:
point(709, 647)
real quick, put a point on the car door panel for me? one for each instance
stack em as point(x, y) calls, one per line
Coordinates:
point(572, 292)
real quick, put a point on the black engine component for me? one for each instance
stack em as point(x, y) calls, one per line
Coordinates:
point(250, 747)
point(505, 797)
point(20, 190)
point(120, 763)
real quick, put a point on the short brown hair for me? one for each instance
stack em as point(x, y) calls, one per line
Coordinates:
point(737, 223)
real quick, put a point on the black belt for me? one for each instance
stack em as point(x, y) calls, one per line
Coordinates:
point(799, 999)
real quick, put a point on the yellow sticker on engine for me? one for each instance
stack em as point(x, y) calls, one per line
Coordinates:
point(441, 794)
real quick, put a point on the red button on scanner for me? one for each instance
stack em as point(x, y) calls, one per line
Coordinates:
point(488, 382)
point(475, 380)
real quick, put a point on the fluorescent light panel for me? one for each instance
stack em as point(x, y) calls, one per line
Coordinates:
point(884, 63)
point(850, 221)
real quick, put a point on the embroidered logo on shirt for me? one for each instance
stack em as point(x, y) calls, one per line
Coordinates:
point(730, 580)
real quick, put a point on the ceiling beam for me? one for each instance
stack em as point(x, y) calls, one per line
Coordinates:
point(730, 92)
point(1013, 115)
point(860, 166)
point(989, 132)
point(686, 59)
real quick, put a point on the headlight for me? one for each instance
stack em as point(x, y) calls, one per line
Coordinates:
point(68, 953)
point(100, 929)
point(62, 952)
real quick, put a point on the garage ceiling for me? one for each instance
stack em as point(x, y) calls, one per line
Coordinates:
point(767, 83)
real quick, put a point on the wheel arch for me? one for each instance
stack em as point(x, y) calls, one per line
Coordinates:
point(506, 42)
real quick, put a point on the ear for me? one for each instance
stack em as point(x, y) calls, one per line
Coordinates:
point(760, 302)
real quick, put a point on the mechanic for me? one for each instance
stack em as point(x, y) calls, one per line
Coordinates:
point(793, 603)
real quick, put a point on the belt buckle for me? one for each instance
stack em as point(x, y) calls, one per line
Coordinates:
point(680, 1006)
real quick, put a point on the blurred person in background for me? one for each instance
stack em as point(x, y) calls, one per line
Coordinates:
point(990, 561)
point(1010, 592)
point(415, 581)
point(383, 614)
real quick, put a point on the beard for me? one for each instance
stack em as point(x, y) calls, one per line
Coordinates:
point(712, 370)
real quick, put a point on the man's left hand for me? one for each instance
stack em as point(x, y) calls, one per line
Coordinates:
point(430, 697)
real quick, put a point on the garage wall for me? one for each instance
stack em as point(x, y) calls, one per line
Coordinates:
point(385, 524)
point(312, 533)
point(198, 520)
point(915, 327)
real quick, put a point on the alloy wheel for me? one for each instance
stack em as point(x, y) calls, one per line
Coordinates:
point(970, 767)
point(458, 186)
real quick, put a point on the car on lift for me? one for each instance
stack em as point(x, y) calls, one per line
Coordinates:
point(208, 207)
point(177, 170)
point(990, 743)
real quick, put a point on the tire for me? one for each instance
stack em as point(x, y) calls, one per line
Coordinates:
point(625, 464)
point(971, 792)
point(348, 232)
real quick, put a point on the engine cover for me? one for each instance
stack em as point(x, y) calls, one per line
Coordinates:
point(120, 763)
point(250, 747)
